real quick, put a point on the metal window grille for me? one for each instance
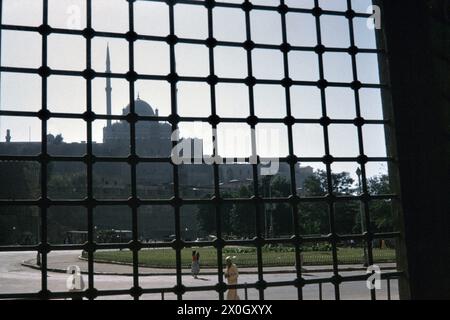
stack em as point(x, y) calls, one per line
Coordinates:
point(258, 200)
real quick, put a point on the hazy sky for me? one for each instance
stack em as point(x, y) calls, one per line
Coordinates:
point(67, 52)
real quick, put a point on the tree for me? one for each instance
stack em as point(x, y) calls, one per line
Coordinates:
point(58, 139)
point(206, 216)
point(63, 184)
point(314, 216)
point(379, 184)
point(24, 178)
point(279, 214)
point(381, 212)
point(242, 217)
point(282, 219)
point(317, 184)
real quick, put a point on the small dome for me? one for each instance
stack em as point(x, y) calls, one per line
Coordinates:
point(141, 107)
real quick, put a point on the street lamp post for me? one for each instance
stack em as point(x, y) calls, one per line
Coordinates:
point(14, 235)
point(38, 255)
point(95, 233)
point(265, 215)
point(358, 173)
point(270, 208)
point(268, 230)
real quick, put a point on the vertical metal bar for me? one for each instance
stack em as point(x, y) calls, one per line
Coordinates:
point(328, 156)
point(133, 156)
point(247, 6)
point(217, 205)
point(292, 164)
point(44, 160)
point(246, 291)
point(388, 288)
point(367, 240)
point(174, 115)
point(1, 47)
point(320, 291)
point(89, 162)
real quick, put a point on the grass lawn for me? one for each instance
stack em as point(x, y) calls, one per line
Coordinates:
point(245, 257)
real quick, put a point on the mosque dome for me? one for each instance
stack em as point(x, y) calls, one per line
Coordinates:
point(141, 108)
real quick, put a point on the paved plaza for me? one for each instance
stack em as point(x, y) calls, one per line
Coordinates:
point(15, 277)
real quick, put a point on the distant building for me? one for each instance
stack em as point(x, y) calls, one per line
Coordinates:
point(154, 180)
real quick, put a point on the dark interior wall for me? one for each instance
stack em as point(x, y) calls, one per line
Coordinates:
point(417, 38)
point(440, 44)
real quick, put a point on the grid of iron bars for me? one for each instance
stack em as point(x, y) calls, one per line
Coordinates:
point(176, 202)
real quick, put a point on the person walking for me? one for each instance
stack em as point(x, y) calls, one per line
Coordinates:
point(231, 274)
point(75, 282)
point(195, 266)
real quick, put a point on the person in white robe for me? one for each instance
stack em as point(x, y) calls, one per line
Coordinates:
point(231, 274)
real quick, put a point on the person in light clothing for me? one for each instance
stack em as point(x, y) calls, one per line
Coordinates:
point(231, 274)
point(195, 266)
point(75, 282)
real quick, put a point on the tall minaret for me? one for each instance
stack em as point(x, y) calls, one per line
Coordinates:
point(108, 88)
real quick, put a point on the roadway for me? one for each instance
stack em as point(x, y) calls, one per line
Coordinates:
point(16, 278)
